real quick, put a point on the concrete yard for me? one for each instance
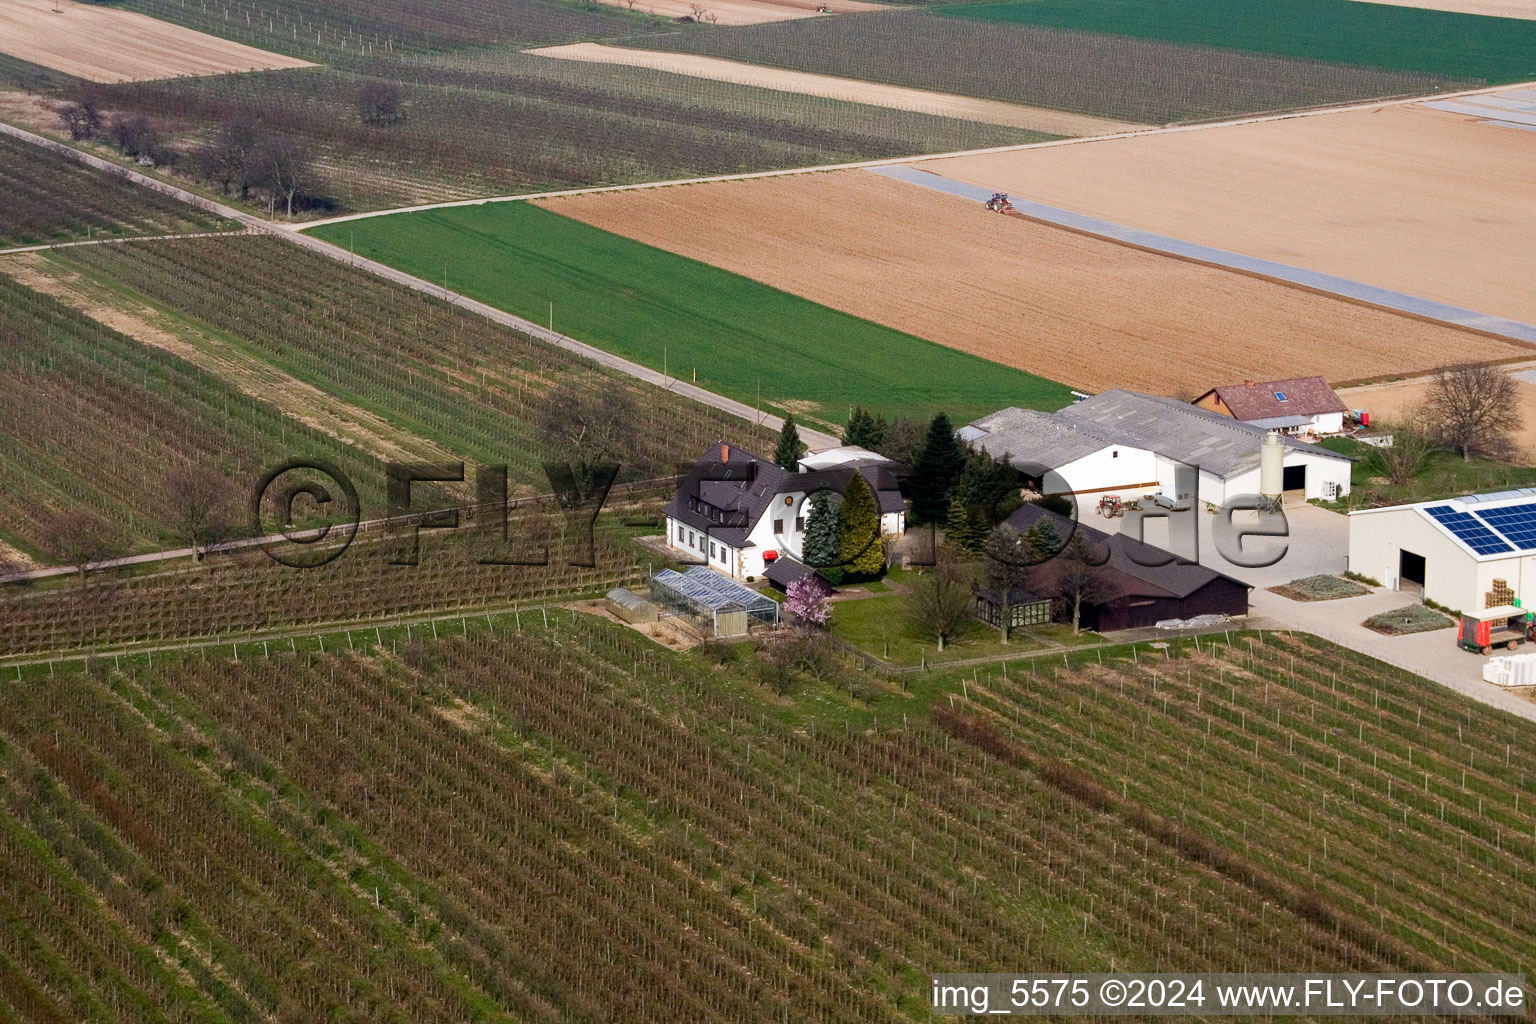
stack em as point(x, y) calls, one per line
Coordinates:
point(1319, 543)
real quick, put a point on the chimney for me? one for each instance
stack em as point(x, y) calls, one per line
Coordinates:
point(725, 452)
point(1247, 383)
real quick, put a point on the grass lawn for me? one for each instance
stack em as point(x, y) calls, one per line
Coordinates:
point(1443, 475)
point(1341, 31)
point(878, 625)
point(742, 339)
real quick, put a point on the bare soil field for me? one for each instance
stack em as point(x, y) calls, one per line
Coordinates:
point(1490, 8)
point(1054, 122)
point(1420, 201)
point(742, 12)
point(1073, 308)
point(1386, 401)
point(101, 44)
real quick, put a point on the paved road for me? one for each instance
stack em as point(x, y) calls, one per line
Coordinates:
point(1312, 280)
point(813, 438)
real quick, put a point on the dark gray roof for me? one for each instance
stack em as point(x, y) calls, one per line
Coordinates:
point(784, 570)
point(1033, 438)
point(1123, 575)
point(726, 492)
point(1175, 430)
point(881, 477)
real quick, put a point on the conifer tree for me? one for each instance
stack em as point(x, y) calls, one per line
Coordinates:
point(860, 547)
point(789, 449)
point(935, 472)
point(821, 549)
point(864, 430)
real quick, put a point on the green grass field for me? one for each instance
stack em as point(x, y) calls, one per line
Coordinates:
point(742, 339)
point(1343, 31)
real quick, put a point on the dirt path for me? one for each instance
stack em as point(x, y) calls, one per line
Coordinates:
point(250, 374)
point(815, 439)
point(101, 44)
point(1054, 122)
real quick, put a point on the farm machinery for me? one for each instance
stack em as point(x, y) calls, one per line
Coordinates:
point(999, 203)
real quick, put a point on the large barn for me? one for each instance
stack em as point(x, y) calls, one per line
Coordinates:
point(1138, 584)
point(1475, 554)
point(1129, 443)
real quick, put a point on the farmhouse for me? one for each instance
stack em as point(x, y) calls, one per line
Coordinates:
point(1476, 554)
point(1137, 585)
point(739, 513)
point(1125, 441)
point(1303, 406)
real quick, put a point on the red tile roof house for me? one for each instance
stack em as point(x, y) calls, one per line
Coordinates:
point(1303, 405)
point(741, 515)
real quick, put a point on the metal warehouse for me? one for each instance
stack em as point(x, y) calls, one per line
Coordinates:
point(1475, 554)
point(714, 603)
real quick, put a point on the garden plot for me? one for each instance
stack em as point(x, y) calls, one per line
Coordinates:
point(1071, 307)
point(1426, 202)
point(101, 44)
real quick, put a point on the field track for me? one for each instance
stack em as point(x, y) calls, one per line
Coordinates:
point(1083, 310)
point(101, 44)
point(1014, 115)
point(1414, 200)
point(814, 438)
point(742, 12)
point(892, 161)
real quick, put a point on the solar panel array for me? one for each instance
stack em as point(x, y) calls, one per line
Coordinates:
point(1517, 523)
point(1474, 532)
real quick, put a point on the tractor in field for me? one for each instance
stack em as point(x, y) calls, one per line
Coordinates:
point(999, 203)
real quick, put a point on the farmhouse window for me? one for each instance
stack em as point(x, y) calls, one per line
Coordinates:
point(1115, 454)
point(799, 524)
point(1280, 396)
point(778, 526)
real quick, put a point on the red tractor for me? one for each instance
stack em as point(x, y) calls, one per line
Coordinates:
point(999, 203)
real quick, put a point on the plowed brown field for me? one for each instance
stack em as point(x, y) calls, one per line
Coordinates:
point(1494, 8)
point(1420, 201)
point(1069, 307)
point(101, 44)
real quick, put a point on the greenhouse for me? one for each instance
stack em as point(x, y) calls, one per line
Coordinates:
point(716, 604)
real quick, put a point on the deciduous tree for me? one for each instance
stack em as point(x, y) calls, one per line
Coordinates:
point(809, 599)
point(80, 538)
point(199, 503)
point(1006, 564)
point(379, 103)
point(1472, 409)
point(1412, 443)
point(938, 603)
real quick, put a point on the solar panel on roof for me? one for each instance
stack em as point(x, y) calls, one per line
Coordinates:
point(1517, 523)
point(1476, 535)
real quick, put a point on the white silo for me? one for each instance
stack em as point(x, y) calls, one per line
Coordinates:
point(1272, 469)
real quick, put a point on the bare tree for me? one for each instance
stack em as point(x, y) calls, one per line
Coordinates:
point(1471, 408)
point(229, 159)
point(379, 104)
point(80, 538)
point(82, 120)
point(939, 603)
point(135, 135)
point(200, 506)
point(588, 428)
point(286, 169)
point(1074, 577)
point(1006, 564)
point(1412, 442)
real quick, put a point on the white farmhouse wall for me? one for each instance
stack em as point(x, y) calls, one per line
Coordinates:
point(1116, 467)
point(1452, 577)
